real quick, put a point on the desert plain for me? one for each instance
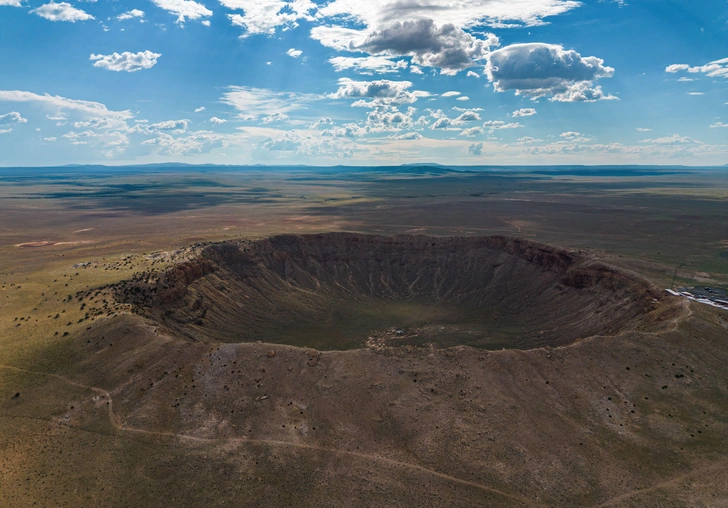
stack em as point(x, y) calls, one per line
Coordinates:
point(355, 336)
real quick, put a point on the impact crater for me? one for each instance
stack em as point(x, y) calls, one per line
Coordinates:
point(341, 291)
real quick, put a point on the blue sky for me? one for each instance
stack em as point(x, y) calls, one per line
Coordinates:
point(364, 81)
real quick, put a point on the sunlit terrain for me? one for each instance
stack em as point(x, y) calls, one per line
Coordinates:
point(363, 253)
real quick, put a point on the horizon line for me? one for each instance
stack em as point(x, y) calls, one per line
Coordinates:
point(404, 165)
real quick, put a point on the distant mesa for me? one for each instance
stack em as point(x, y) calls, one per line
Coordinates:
point(341, 291)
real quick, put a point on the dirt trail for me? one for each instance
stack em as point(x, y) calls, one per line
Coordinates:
point(672, 482)
point(118, 425)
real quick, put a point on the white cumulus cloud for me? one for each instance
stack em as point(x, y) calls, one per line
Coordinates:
point(714, 69)
point(442, 121)
point(583, 91)
point(61, 12)
point(134, 13)
point(265, 16)
point(524, 112)
point(468, 116)
point(575, 137)
point(10, 3)
point(408, 136)
point(294, 53)
point(275, 117)
point(493, 125)
point(446, 47)
point(12, 117)
point(525, 140)
point(368, 64)
point(381, 92)
point(177, 126)
point(126, 61)
point(184, 9)
point(677, 68)
point(389, 118)
point(472, 131)
point(538, 69)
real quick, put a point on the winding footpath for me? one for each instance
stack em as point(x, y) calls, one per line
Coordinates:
point(119, 426)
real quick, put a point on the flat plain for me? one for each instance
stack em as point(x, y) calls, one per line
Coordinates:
point(104, 402)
